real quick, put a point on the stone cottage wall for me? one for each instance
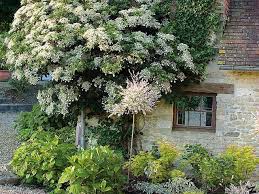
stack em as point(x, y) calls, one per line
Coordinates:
point(237, 116)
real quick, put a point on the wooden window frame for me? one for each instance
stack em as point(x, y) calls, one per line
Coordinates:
point(211, 128)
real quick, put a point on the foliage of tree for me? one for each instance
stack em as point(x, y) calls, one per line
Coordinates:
point(91, 48)
point(7, 10)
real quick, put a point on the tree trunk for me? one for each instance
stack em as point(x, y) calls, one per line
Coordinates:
point(80, 131)
point(131, 143)
point(132, 136)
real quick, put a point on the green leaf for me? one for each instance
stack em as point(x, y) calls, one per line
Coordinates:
point(67, 175)
point(75, 189)
point(49, 175)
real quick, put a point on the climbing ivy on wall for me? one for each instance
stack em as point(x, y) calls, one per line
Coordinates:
point(196, 23)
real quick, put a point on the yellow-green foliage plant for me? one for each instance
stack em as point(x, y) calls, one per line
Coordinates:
point(157, 171)
point(139, 163)
point(235, 164)
point(168, 153)
point(216, 172)
point(176, 174)
point(156, 166)
point(245, 161)
point(41, 159)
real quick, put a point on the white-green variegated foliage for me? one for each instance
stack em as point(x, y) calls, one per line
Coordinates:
point(90, 47)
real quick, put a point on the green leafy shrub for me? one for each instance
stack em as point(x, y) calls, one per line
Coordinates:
point(20, 86)
point(210, 172)
point(195, 154)
point(195, 24)
point(245, 162)
point(213, 172)
point(156, 165)
point(29, 122)
point(110, 132)
point(216, 172)
point(168, 153)
point(157, 172)
point(95, 170)
point(42, 159)
point(66, 134)
point(232, 166)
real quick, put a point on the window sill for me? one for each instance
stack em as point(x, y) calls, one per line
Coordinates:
point(208, 130)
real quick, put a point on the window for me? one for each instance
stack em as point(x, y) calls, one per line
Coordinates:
point(196, 111)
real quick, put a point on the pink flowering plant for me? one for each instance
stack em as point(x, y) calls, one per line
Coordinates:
point(138, 97)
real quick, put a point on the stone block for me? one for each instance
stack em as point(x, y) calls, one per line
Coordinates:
point(232, 134)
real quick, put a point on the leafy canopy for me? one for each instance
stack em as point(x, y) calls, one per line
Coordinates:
point(90, 47)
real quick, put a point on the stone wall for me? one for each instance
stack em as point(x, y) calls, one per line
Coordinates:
point(237, 116)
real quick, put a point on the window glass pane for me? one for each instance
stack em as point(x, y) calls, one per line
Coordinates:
point(186, 118)
point(194, 118)
point(181, 118)
point(203, 119)
point(207, 103)
point(195, 112)
point(208, 119)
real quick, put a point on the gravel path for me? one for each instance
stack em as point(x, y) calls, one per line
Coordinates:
point(8, 144)
point(7, 189)
point(8, 137)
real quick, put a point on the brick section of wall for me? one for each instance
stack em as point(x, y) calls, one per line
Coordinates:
point(240, 43)
point(224, 6)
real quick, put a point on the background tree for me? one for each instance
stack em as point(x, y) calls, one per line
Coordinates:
point(7, 10)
